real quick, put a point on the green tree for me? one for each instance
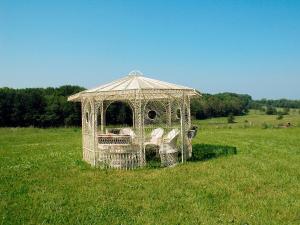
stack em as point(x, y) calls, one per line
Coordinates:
point(39, 107)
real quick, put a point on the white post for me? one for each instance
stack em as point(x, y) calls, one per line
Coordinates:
point(102, 117)
point(169, 112)
point(94, 128)
point(182, 127)
point(189, 112)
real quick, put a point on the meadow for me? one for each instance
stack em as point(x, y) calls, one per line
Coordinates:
point(43, 179)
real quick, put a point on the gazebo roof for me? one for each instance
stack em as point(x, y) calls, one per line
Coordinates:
point(135, 82)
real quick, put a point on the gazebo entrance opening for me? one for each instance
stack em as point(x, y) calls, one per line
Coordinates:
point(118, 115)
point(122, 119)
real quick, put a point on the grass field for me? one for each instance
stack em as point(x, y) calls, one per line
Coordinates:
point(44, 181)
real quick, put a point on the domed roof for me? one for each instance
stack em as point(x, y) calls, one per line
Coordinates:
point(135, 81)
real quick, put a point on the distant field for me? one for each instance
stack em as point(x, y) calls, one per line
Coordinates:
point(44, 181)
point(255, 119)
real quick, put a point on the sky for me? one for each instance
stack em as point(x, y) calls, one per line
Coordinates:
point(250, 47)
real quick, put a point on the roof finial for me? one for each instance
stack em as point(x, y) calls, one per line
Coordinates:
point(135, 73)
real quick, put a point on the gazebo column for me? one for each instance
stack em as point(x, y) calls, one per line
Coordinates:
point(169, 113)
point(138, 124)
point(189, 146)
point(188, 108)
point(94, 138)
point(83, 130)
point(133, 119)
point(102, 117)
point(183, 127)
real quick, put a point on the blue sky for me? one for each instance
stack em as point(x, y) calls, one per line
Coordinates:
point(215, 46)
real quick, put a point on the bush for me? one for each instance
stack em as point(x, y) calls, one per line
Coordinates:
point(271, 110)
point(262, 109)
point(286, 111)
point(280, 116)
point(205, 151)
point(246, 125)
point(266, 126)
point(230, 118)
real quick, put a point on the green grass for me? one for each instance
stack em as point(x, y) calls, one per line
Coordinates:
point(44, 181)
point(254, 119)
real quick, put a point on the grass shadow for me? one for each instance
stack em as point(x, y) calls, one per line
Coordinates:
point(152, 157)
point(153, 164)
point(202, 152)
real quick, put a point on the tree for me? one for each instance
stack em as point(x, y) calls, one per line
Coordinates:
point(39, 107)
point(220, 105)
point(7, 96)
point(280, 103)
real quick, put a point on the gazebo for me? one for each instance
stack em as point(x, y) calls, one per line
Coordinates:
point(160, 116)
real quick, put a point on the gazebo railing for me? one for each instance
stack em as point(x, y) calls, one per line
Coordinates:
point(125, 160)
point(114, 139)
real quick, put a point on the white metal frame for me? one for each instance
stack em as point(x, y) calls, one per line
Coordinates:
point(142, 94)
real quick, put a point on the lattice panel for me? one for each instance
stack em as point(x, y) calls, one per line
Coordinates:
point(175, 107)
point(155, 113)
point(87, 117)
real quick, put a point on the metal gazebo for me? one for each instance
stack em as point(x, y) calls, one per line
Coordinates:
point(160, 116)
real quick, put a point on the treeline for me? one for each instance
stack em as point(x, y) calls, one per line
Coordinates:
point(280, 103)
point(39, 107)
point(48, 107)
point(218, 105)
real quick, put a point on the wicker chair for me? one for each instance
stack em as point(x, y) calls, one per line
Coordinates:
point(168, 150)
point(156, 138)
point(128, 131)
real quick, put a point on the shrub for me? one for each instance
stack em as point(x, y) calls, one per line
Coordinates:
point(280, 116)
point(205, 151)
point(262, 109)
point(286, 111)
point(114, 130)
point(230, 118)
point(246, 126)
point(280, 125)
point(271, 110)
point(264, 125)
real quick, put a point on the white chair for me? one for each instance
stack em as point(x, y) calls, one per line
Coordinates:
point(156, 137)
point(128, 131)
point(168, 150)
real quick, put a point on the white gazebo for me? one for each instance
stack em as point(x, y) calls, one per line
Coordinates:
point(160, 116)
